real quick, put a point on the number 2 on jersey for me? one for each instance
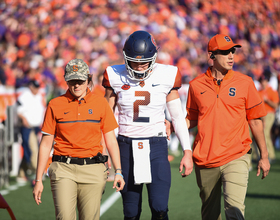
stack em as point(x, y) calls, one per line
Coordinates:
point(137, 103)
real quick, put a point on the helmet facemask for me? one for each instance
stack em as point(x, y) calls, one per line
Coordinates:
point(139, 75)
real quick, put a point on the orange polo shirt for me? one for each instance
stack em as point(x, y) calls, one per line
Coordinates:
point(222, 115)
point(271, 95)
point(77, 125)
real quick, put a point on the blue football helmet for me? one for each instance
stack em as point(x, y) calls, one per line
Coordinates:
point(140, 47)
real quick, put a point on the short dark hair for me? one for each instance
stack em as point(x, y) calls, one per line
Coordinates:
point(265, 75)
point(34, 83)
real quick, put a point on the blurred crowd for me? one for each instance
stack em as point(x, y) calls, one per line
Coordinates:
point(38, 38)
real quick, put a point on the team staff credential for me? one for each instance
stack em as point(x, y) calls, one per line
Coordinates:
point(141, 89)
point(75, 122)
point(223, 103)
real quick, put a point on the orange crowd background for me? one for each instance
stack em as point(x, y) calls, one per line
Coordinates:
point(38, 38)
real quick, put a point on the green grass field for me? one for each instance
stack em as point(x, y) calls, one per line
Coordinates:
point(262, 201)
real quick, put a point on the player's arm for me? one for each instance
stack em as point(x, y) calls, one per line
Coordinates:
point(256, 126)
point(111, 97)
point(170, 128)
point(181, 130)
point(43, 156)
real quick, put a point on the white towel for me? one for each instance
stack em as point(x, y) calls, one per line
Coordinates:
point(142, 166)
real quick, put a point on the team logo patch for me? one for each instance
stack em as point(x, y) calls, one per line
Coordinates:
point(140, 145)
point(90, 111)
point(75, 68)
point(153, 40)
point(232, 91)
point(126, 87)
point(227, 39)
point(141, 83)
point(139, 57)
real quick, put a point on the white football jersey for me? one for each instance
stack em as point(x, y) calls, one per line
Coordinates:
point(141, 105)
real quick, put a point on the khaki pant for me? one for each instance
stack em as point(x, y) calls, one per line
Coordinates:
point(233, 176)
point(34, 147)
point(77, 185)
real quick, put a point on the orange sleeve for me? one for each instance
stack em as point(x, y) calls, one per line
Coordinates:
point(105, 82)
point(192, 108)
point(254, 105)
point(178, 80)
point(49, 124)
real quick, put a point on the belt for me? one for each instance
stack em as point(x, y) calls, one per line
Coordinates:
point(99, 158)
point(250, 151)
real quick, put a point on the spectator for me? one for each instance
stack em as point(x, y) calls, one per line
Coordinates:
point(30, 110)
point(98, 89)
point(179, 26)
point(271, 100)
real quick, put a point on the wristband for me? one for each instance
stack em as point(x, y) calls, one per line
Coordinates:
point(118, 169)
point(119, 174)
point(37, 180)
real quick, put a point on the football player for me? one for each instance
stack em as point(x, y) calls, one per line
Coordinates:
point(141, 89)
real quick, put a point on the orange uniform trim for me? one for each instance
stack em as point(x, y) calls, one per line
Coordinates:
point(223, 130)
point(106, 82)
point(77, 125)
point(178, 80)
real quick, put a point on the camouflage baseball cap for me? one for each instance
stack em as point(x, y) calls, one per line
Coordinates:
point(76, 69)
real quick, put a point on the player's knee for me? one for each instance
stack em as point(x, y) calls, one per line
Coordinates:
point(161, 215)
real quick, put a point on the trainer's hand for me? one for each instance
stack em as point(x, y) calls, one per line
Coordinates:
point(187, 163)
point(263, 165)
point(118, 182)
point(108, 164)
point(37, 192)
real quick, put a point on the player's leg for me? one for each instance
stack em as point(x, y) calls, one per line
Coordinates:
point(131, 194)
point(235, 176)
point(64, 190)
point(92, 179)
point(158, 190)
point(209, 183)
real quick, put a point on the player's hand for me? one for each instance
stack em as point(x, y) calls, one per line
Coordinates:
point(168, 127)
point(263, 165)
point(186, 164)
point(118, 182)
point(37, 192)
